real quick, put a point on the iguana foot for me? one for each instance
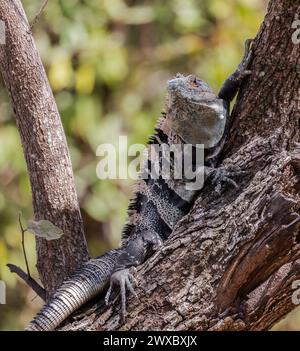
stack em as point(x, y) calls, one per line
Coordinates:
point(242, 70)
point(223, 175)
point(125, 280)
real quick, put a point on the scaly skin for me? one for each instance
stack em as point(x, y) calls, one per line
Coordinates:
point(83, 285)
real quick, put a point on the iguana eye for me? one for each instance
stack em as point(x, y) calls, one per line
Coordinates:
point(195, 82)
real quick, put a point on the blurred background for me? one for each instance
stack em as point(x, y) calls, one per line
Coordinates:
point(108, 62)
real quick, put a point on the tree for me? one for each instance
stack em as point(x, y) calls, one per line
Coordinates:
point(231, 262)
point(45, 148)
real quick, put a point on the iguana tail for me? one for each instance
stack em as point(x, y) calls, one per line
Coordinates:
point(90, 280)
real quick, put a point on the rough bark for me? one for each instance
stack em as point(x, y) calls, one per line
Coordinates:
point(45, 148)
point(230, 263)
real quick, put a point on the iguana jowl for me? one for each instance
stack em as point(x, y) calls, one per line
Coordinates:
point(193, 115)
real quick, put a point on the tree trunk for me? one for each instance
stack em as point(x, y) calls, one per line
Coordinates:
point(45, 148)
point(230, 263)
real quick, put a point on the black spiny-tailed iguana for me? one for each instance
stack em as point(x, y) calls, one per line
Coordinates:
point(193, 115)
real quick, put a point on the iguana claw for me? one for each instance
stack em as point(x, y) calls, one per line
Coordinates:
point(125, 280)
point(248, 55)
point(223, 175)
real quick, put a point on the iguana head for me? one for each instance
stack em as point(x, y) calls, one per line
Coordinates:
point(194, 112)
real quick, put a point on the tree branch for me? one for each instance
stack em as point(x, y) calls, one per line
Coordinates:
point(23, 243)
point(230, 263)
point(39, 13)
point(45, 148)
point(28, 280)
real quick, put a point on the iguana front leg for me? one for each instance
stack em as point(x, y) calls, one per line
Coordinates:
point(232, 84)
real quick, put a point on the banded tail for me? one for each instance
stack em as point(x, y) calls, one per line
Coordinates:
point(90, 280)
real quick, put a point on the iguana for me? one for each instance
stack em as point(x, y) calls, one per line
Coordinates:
point(193, 115)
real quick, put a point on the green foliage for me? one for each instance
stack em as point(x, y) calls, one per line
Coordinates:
point(108, 62)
